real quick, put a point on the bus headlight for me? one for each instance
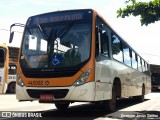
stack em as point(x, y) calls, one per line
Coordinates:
point(82, 79)
point(19, 80)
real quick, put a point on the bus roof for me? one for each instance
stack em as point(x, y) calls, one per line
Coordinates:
point(62, 11)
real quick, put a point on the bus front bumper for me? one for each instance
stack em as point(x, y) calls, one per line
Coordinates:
point(85, 92)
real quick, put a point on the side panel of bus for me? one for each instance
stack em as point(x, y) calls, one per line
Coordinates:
point(103, 80)
point(119, 65)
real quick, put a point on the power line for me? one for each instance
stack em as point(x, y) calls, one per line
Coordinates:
point(2, 29)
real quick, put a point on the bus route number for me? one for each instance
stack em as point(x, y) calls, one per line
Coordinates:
point(38, 83)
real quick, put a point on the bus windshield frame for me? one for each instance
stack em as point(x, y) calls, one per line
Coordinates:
point(61, 44)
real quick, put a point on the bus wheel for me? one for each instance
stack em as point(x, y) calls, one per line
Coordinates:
point(110, 105)
point(62, 106)
point(11, 87)
point(141, 97)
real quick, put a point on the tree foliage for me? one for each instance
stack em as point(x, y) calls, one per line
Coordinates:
point(149, 12)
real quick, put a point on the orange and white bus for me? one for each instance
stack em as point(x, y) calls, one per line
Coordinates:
point(74, 56)
point(4, 62)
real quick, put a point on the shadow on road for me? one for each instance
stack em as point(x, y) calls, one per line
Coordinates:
point(92, 111)
point(89, 111)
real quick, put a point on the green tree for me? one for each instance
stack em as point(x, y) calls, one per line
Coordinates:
point(149, 12)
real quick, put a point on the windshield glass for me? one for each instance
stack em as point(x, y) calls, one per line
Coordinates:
point(56, 44)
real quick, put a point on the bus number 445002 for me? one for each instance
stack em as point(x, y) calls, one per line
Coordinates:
point(38, 83)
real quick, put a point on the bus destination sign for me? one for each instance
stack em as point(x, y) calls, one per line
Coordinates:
point(54, 17)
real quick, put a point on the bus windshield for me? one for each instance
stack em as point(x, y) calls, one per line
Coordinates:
point(56, 44)
point(2, 57)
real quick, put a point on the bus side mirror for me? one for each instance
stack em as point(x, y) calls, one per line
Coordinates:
point(12, 33)
point(11, 37)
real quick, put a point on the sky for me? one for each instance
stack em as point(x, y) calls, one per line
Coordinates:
point(144, 39)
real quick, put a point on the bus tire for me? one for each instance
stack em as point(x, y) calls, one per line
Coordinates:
point(141, 97)
point(11, 87)
point(110, 105)
point(62, 106)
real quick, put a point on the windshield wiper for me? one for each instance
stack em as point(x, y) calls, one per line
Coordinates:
point(54, 36)
point(65, 30)
point(42, 32)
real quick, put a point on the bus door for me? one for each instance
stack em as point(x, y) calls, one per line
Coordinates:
point(102, 72)
point(2, 70)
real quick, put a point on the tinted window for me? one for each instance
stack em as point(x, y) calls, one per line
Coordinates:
point(105, 44)
point(104, 37)
point(126, 55)
point(134, 60)
point(139, 64)
point(116, 48)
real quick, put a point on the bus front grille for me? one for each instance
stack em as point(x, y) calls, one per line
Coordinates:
point(58, 93)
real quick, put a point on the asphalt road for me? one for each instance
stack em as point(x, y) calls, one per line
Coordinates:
point(126, 109)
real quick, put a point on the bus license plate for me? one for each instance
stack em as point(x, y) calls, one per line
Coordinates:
point(46, 97)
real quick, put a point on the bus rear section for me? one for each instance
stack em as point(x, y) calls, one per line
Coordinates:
point(3, 68)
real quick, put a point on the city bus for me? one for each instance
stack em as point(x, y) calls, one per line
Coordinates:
point(76, 56)
point(4, 61)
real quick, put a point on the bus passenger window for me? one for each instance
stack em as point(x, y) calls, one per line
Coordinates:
point(104, 43)
point(139, 64)
point(143, 66)
point(116, 48)
point(102, 30)
point(134, 60)
point(126, 55)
